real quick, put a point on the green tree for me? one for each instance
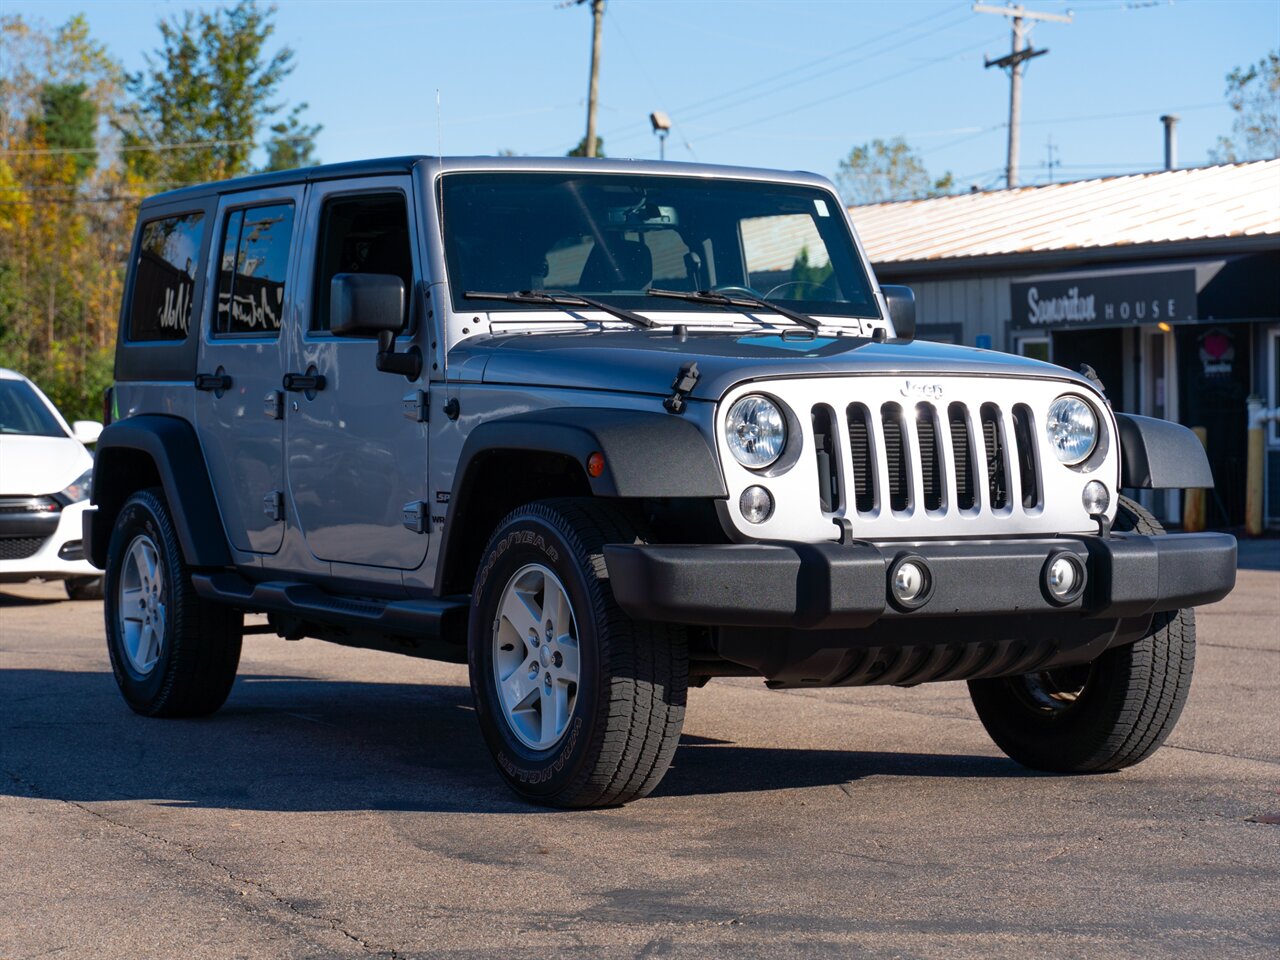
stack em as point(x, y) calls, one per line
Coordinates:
point(878, 171)
point(1253, 93)
point(61, 255)
point(68, 120)
point(581, 149)
point(205, 96)
point(292, 143)
point(805, 276)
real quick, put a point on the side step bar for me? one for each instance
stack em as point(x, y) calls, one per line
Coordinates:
point(426, 620)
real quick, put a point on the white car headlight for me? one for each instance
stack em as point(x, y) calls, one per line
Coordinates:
point(81, 488)
point(756, 431)
point(1072, 429)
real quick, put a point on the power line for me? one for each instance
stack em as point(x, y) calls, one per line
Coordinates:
point(141, 148)
point(844, 93)
point(699, 109)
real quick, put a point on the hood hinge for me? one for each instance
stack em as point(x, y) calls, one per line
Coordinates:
point(683, 385)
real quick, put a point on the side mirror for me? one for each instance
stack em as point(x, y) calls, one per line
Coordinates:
point(86, 431)
point(366, 304)
point(902, 310)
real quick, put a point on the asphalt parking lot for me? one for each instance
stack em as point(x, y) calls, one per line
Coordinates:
point(342, 804)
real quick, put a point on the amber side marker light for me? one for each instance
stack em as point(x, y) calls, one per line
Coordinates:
point(595, 464)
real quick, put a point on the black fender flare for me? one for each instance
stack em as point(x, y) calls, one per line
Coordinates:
point(1160, 455)
point(170, 443)
point(646, 455)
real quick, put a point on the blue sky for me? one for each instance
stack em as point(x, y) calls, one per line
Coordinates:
point(775, 83)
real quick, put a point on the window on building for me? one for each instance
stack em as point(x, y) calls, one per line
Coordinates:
point(1037, 348)
point(164, 278)
point(251, 271)
point(1274, 382)
point(361, 234)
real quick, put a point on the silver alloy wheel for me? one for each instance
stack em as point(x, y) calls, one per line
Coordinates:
point(535, 656)
point(141, 611)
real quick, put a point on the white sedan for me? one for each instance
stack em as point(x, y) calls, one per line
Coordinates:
point(44, 488)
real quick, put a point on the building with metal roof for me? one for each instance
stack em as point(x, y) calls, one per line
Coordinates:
point(1167, 283)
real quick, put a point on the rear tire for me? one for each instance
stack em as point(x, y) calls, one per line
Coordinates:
point(1102, 716)
point(173, 653)
point(580, 705)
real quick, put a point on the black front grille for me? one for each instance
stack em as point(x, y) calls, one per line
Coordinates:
point(1024, 439)
point(864, 487)
point(828, 467)
point(20, 548)
point(895, 456)
point(961, 456)
point(994, 443)
point(930, 462)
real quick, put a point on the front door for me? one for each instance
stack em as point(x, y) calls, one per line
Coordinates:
point(356, 447)
point(237, 409)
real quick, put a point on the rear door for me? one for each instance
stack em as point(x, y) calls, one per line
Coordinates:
point(357, 442)
point(239, 410)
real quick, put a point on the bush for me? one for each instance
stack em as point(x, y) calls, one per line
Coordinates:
point(73, 380)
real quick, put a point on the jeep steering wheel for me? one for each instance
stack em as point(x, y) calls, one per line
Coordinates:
point(793, 283)
point(729, 289)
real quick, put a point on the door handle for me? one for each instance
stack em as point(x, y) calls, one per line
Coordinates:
point(213, 381)
point(300, 382)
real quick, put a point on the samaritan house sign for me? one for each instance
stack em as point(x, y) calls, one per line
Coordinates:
point(1111, 300)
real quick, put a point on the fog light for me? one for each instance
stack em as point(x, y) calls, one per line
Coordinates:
point(756, 504)
point(1063, 577)
point(910, 582)
point(1095, 497)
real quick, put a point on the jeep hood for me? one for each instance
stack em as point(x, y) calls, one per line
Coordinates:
point(647, 361)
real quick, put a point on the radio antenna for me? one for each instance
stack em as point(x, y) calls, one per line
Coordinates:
point(440, 158)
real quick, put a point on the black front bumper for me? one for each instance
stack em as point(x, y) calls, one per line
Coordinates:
point(832, 586)
point(823, 613)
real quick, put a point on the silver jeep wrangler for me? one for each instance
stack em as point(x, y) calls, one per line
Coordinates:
point(604, 430)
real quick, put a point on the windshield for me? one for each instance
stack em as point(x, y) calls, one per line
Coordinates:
point(21, 411)
point(616, 236)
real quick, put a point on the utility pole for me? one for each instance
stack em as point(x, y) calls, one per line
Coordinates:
point(1014, 62)
point(593, 93)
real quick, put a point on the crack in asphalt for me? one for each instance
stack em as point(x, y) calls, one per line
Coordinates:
point(334, 923)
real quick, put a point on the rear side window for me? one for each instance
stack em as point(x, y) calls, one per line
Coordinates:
point(251, 271)
point(164, 278)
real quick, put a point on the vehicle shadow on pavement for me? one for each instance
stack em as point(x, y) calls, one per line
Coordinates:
point(704, 765)
point(286, 743)
point(14, 600)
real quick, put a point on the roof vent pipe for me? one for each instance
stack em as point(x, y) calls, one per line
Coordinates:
point(1170, 122)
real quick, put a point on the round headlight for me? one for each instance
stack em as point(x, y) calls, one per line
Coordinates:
point(756, 431)
point(1072, 429)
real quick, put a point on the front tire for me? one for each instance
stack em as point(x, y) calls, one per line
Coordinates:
point(580, 705)
point(173, 653)
point(1101, 716)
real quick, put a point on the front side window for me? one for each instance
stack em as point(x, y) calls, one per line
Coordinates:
point(22, 412)
point(164, 277)
point(617, 236)
point(251, 271)
point(368, 233)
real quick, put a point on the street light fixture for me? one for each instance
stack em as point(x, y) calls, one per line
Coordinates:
point(661, 126)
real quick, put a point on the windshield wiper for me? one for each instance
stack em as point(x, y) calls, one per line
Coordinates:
point(561, 298)
point(740, 300)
